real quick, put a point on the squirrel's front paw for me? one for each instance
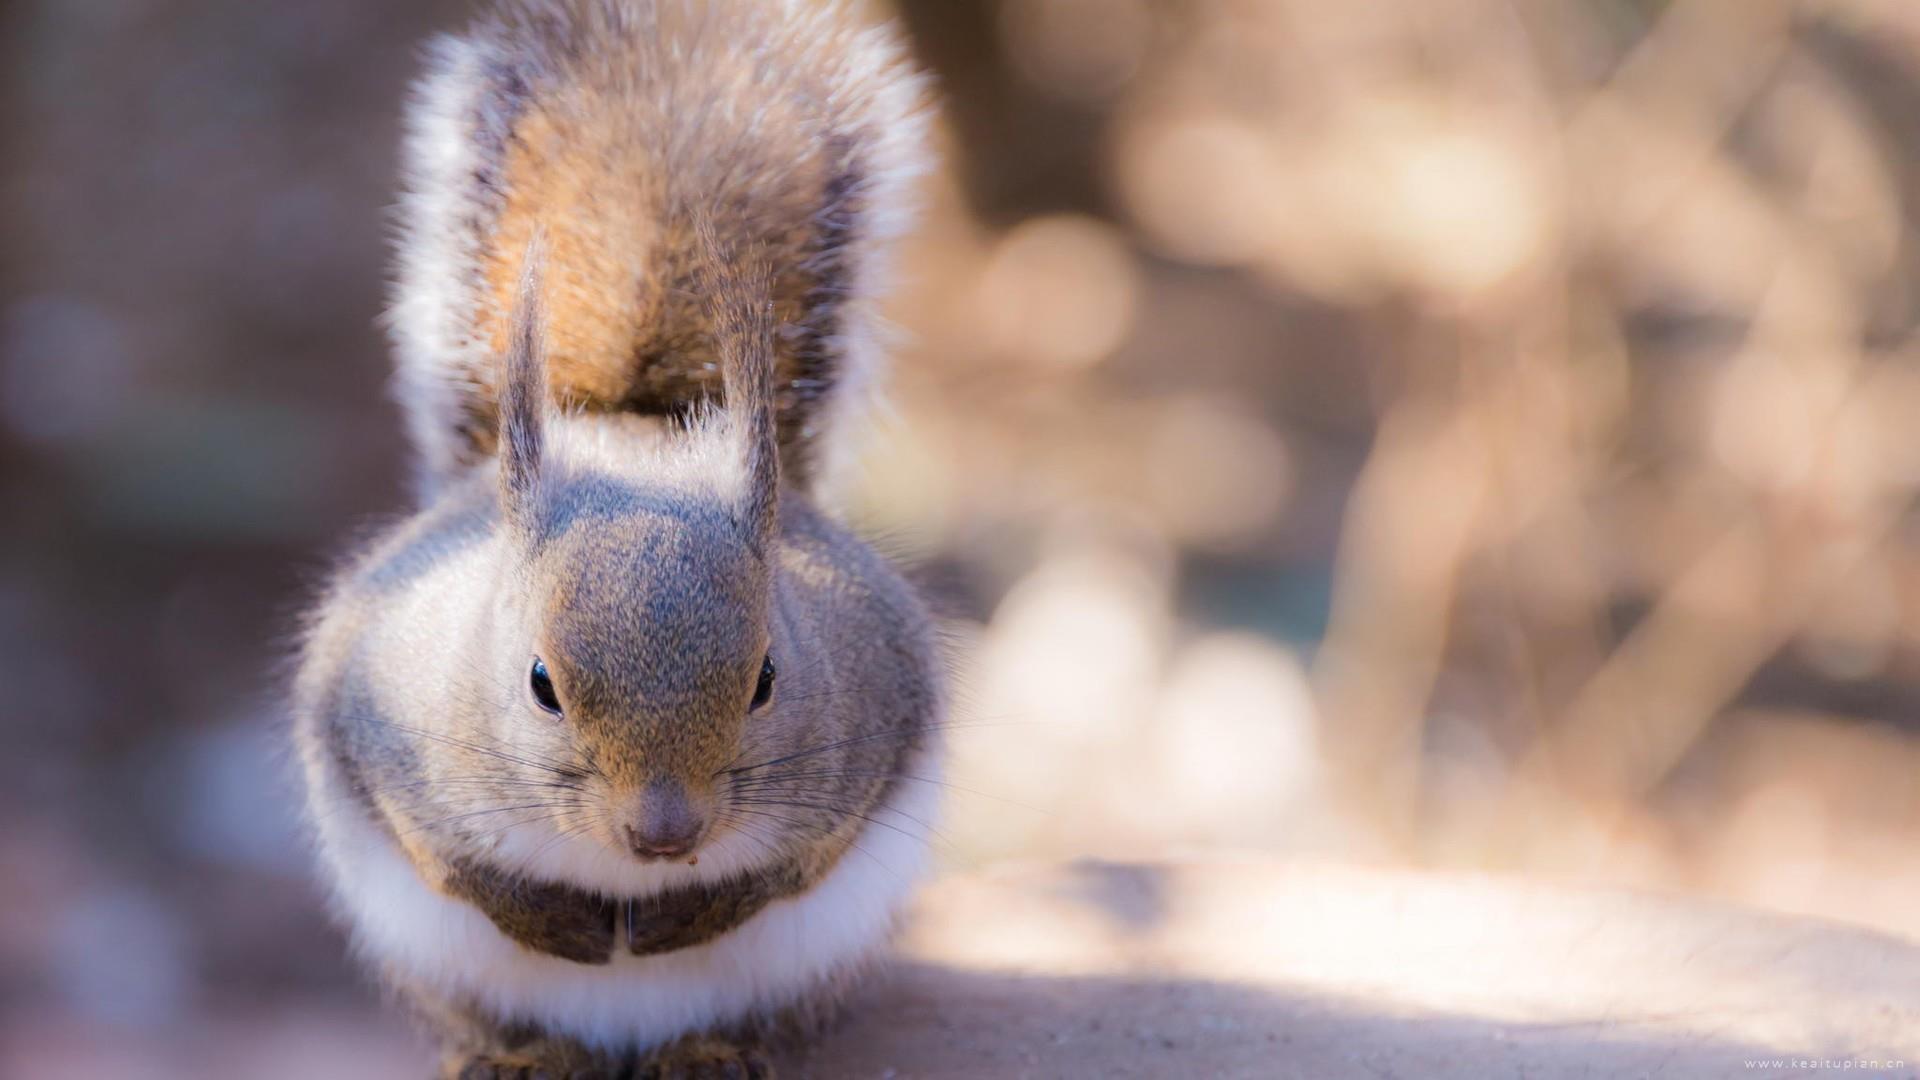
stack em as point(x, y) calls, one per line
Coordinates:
point(705, 1059)
point(513, 1067)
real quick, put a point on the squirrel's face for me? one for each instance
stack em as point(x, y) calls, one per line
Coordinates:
point(646, 632)
point(650, 646)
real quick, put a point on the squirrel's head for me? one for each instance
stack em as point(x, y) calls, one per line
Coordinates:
point(641, 613)
point(650, 643)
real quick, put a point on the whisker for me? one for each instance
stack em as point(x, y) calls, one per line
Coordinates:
point(534, 820)
point(836, 804)
point(479, 781)
point(535, 762)
point(842, 810)
point(727, 819)
point(755, 783)
point(854, 845)
point(524, 865)
point(438, 822)
point(897, 733)
point(462, 791)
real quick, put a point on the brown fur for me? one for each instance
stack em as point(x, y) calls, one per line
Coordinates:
point(545, 916)
point(614, 130)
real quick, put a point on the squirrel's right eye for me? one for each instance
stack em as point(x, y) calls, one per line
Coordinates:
point(542, 685)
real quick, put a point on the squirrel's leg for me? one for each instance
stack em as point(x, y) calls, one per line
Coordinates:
point(474, 1046)
point(705, 1057)
point(520, 1053)
point(740, 1053)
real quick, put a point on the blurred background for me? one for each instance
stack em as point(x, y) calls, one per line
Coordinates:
point(1471, 434)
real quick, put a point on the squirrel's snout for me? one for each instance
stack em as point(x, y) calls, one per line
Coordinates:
point(651, 845)
point(670, 822)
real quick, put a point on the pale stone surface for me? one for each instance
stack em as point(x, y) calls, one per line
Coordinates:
point(1258, 969)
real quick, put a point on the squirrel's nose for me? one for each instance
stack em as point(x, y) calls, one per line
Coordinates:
point(670, 823)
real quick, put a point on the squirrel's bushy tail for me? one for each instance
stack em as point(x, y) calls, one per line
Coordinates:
point(622, 133)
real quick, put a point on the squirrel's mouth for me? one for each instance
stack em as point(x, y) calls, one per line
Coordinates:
point(647, 851)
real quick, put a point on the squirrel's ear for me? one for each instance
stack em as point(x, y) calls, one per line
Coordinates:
point(523, 397)
point(739, 292)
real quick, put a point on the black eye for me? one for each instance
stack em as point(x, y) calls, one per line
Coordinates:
point(542, 685)
point(764, 688)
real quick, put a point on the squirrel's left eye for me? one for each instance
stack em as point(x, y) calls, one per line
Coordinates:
point(763, 690)
point(542, 686)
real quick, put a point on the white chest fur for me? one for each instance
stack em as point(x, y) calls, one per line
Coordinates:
point(765, 963)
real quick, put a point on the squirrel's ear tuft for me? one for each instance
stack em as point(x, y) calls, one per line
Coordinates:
point(739, 294)
point(523, 397)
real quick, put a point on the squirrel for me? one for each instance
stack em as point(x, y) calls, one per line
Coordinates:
point(619, 749)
